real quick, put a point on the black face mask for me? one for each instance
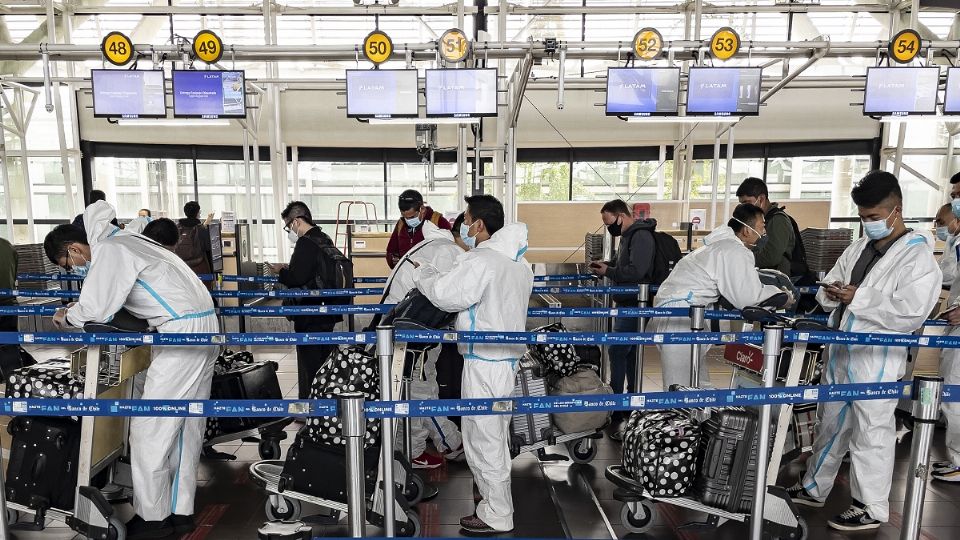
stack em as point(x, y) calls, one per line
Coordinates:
point(616, 228)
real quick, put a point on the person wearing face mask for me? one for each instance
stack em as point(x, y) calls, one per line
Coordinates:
point(409, 229)
point(781, 248)
point(126, 270)
point(302, 272)
point(886, 282)
point(489, 288)
point(947, 227)
point(723, 266)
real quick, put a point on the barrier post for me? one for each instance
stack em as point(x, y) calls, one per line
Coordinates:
point(926, 395)
point(696, 325)
point(354, 428)
point(772, 341)
point(385, 354)
point(407, 421)
point(643, 301)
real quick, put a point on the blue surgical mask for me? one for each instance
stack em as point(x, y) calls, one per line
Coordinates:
point(943, 233)
point(470, 241)
point(413, 222)
point(878, 230)
point(955, 206)
point(78, 270)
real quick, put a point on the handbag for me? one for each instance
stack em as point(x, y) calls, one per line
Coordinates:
point(122, 322)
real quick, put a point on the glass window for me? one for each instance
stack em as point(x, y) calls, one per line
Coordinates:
point(441, 196)
point(543, 181)
point(324, 185)
point(627, 180)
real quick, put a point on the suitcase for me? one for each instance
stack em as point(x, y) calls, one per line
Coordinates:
point(660, 451)
point(320, 470)
point(246, 381)
point(349, 369)
point(51, 379)
point(557, 358)
point(727, 460)
point(42, 470)
point(528, 429)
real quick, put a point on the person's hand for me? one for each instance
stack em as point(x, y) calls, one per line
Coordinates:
point(276, 268)
point(953, 317)
point(60, 319)
point(832, 291)
point(846, 294)
point(210, 216)
point(599, 268)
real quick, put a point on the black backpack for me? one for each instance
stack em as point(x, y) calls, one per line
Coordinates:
point(666, 253)
point(798, 258)
point(335, 270)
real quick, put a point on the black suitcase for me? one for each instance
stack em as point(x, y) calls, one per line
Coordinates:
point(320, 470)
point(530, 428)
point(246, 381)
point(727, 461)
point(42, 471)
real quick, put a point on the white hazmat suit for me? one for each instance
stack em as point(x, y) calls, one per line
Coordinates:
point(950, 368)
point(130, 271)
point(896, 296)
point(439, 251)
point(722, 267)
point(489, 287)
point(949, 260)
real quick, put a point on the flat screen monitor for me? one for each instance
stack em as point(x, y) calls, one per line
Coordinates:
point(724, 91)
point(382, 93)
point(128, 93)
point(951, 98)
point(901, 91)
point(209, 94)
point(461, 93)
point(643, 91)
point(216, 247)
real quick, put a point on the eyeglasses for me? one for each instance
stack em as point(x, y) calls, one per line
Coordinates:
point(286, 227)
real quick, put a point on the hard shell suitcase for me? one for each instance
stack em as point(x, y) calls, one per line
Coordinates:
point(246, 381)
point(320, 470)
point(528, 429)
point(42, 471)
point(727, 461)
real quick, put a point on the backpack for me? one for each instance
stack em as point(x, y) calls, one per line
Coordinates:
point(798, 257)
point(666, 253)
point(334, 269)
point(190, 248)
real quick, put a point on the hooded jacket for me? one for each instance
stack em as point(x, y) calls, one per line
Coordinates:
point(489, 287)
point(635, 256)
point(438, 249)
point(404, 238)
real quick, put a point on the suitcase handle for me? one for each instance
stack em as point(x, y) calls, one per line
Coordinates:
point(739, 473)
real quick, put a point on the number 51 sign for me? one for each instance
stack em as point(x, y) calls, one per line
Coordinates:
point(454, 46)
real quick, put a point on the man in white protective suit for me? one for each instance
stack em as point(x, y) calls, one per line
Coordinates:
point(439, 251)
point(947, 228)
point(886, 282)
point(126, 270)
point(489, 286)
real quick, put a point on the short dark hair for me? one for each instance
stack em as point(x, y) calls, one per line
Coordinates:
point(747, 213)
point(753, 187)
point(409, 200)
point(955, 179)
point(455, 228)
point(191, 209)
point(488, 209)
point(97, 195)
point(875, 188)
point(147, 210)
point(615, 207)
point(297, 209)
point(163, 231)
point(56, 242)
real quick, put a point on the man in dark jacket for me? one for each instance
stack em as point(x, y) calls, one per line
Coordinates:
point(780, 249)
point(409, 229)
point(194, 246)
point(633, 265)
point(302, 272)
point(8, 280)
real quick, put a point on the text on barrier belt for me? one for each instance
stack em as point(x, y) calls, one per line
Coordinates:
point(274, 279)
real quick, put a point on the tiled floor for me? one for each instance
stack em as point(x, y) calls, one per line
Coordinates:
point(552, 499)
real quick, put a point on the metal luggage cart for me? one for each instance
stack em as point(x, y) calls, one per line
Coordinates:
point(108, 372)
point(267, 436)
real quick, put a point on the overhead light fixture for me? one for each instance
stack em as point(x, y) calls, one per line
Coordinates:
point(685, 119)
point(413, 121)
point(919, 119)
point(176, 122)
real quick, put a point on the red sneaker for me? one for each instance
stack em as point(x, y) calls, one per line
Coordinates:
point(427, 460)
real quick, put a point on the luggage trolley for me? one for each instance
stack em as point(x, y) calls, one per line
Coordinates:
point(108, 371)
point(781, 519)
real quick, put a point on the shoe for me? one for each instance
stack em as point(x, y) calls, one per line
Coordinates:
point(182, 524)
point(137, 529)
point(942, 467)
point(854, 518)
point(426, 461)
point(801, 496)
point(951, 474)
point(454, 455)
point(476, 525)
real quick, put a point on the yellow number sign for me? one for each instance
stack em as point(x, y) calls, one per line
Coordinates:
point(377, 47)
point(647, 44)
point(454, 45)
point(207, 47)
point(905, 46)
point(117, 48)
point(725, 43)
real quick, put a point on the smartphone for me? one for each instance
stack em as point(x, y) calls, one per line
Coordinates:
point(943, 314)
point(828, 285)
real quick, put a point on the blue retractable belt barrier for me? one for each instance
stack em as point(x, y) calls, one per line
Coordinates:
point(273, 279)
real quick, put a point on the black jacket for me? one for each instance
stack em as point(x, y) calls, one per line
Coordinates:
point(634, 259)
point(302, 273)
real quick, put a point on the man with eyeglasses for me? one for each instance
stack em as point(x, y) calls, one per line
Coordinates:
point(302, 272)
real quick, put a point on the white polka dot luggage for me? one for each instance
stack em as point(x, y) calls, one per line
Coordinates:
point(50, 379)
point(727, 459)
point(559, 358)
point(529, 429)
point(349, 369)
point(660, 451)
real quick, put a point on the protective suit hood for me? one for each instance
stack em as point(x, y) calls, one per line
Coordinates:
point(432, 232)
point(510, 241)
point(96, 220)
point(722, 232)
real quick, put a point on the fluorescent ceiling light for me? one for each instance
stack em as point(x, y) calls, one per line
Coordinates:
point(685, 119)
point(919, 119)
point(411, 121)
point(176, 122)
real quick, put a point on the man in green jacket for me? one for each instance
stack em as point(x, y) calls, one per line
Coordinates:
point(8, 277)
point(782, 249)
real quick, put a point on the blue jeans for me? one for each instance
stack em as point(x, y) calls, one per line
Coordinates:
point(623, 358)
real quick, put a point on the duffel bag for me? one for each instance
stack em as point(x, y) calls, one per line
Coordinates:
point(348, 369)
point(559, 358)
point(582, 382)
point(660, 451)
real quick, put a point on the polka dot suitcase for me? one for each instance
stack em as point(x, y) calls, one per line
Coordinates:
point(660, 451)
point(563, 359)
point(50, 379)
point(349, 369)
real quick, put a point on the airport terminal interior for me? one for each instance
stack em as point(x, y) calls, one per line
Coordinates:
point(255, 177)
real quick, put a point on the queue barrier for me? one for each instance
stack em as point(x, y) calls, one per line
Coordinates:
point(273, 279)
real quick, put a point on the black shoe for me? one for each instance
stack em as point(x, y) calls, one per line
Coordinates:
point(137, 529)
point(182, 524)
point(801, 496)
point(854, 518)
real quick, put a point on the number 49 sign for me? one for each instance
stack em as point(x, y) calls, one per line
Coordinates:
point(207, 47)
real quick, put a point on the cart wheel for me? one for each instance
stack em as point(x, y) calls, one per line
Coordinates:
point(290, 510)
point(269, 449)
point(412, 528)
point(582, 451)
point(415, 489)
point(801, 532)
point(640, 521)
point(13, 516)
point(118, 530)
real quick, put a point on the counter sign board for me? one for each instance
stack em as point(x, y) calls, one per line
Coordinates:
point(725, 43)
point(454, 46)
point(647, 44)
point(117, 48)
point(905, 46)
point(207, 47)
point(377, 47)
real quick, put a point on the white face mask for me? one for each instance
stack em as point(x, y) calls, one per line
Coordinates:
point(292, 235)
point(759, 236)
